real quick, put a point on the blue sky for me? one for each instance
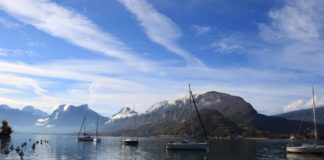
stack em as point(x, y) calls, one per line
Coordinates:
point(112, 54)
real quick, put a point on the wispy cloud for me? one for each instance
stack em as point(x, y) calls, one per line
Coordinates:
point(298, 20)
point(21, 83)
point(69, 81)
point(159, 28)
point(8, 23)
point(56, 71)
point(227, 45)
point(71, 26)
point(295, 35)
point(201, 30)
point(17, 52)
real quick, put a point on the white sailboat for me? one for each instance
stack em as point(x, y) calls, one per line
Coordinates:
point(97, 138)
point(86, 136)
point(308, 148)
point(188, 143)
point(132, 141)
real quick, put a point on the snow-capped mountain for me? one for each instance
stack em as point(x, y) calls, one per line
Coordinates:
point(168, 113)
point(171, 116)
point(68, 118)
point(181, 100)
point(34, 111)
point(125, 112)
point(232, 107)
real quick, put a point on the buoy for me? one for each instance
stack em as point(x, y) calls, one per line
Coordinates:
point(11, 147)
point(21, 153)
point(17, 149)
point(6, 151)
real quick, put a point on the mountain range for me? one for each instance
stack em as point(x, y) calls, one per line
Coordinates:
point(222, 115)
point(64, 119)
point(68, 118)
point(21, 120)
point(305, 115)
point(232, 113)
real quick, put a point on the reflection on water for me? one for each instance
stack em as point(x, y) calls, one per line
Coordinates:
point(67, 147)
point(291, 156)
point(5, 141)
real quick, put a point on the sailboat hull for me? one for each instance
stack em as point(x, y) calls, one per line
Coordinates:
point(131, 142)
point(85, 138)
point(97, 139)
point(187, 146)
point(318, 149)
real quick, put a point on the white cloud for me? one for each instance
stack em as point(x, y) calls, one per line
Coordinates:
point(296, 105)
point(57, 71)
point(298, 20)
point(71, 26)
point(16, 52)
point(303, 104)
point(159, 28)
point(107, 85)
point(228, 44)
point(295, 37)
point(201, 30)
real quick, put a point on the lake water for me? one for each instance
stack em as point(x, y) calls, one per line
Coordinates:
point(111, 148)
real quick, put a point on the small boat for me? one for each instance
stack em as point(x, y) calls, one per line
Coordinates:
point(308, 148)
point(97, 138)
point(190, 144)
point(85, 136)
point(131, 142)
point(187, 145)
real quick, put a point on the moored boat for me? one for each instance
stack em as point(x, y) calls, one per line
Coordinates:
point(190, 144)
point(131, 142)
point(187, 145)
point(309, 148)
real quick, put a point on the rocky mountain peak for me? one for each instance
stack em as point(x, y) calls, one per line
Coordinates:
point(124, 112)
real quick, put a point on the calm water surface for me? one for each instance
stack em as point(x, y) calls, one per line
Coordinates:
point(67, 147)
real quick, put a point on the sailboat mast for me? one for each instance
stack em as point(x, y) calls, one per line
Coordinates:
point(81, 125)
point(314, 115)
point(194, 102)
point(191, 117)
point(97, 127)
point(84, 129)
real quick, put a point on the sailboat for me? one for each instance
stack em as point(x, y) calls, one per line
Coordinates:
point(97, 138)
point(86, 136)
point(308, 148)
point(131, 141)
point(190, 144)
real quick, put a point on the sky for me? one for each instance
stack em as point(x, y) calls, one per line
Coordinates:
point(112, 54)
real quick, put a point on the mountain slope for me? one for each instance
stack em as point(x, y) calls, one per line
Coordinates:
point(305, 115)
point(125, 112)
point(19, 120)
point(34, 111)
point(68, 118)
point(171, 117)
